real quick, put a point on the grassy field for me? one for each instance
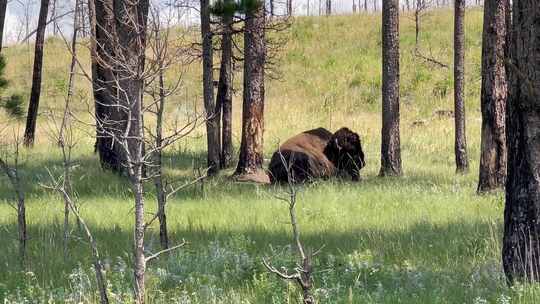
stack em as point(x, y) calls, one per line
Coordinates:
point(423, 238)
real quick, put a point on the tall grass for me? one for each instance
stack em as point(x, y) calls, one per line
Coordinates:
point(423, 238)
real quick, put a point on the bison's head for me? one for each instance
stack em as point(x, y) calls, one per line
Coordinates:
point(344, 150)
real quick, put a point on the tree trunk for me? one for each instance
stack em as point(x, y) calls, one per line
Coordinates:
point(521, 242)
point(462, 163)
point(289, 8)
point(116, 80)
point(158, 180)
point(493, 99)
point(251, 147)
point(212, 110)
point(118, 60)
point(139, 268)
point(33, 106)
point(3, 9)
point(225, 92)
point(328, 7)
point(390, 148)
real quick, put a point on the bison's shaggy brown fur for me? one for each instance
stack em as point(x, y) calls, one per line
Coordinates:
point(317, 153)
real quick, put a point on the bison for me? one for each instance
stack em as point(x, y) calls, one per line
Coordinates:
point(318, 153)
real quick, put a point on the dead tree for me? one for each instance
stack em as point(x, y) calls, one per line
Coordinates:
point(164, 54)
point(521, 241)
point(420, 10)
point(126, 77)
point(12, 171)
point(63, 134)
point(33, 106)
point(492, 173)
point(390, 147)
point(460, 143)
point(303, 272)
point(118, 66)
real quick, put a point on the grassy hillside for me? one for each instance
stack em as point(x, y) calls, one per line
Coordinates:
point(423, 238)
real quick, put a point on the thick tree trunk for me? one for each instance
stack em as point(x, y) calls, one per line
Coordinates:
point(390, 147)
point(493, 100)
point(35, 93)
point(225, 93)
point(3, 9)
point(251, 147)
point(212, 110)
point(462, 163)
point(521, 242)
point(116, 80)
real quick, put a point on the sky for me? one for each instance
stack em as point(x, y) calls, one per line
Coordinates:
point(15, 29)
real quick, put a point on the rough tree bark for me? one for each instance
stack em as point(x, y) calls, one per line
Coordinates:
point(462, 163)
point(521, 242)
point(3, 9)
point(390, 147)
point(33, 106)
point(251, 147)
point(118, 60)
point(289, 8)
point(212, 110)
point(116, 83)
point(225, 92)
point(492, 173)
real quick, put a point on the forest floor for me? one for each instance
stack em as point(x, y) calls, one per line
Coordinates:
point(426, 237)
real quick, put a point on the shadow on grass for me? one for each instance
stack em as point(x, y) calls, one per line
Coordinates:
point(444, 254)
point(90, 180)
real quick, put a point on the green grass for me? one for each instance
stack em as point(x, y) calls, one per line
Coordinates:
point(423, 238)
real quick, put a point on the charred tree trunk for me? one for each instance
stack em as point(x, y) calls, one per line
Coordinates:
point(462, 163)
point(521, 242)
point(116, 80)
point(225, 92)
point(390, 148)
point(212, 110)
point(251, 147)
point(3, 9)
point(494, 95)
point(35, 93)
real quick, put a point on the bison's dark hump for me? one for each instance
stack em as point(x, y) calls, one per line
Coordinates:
point(321, 133)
